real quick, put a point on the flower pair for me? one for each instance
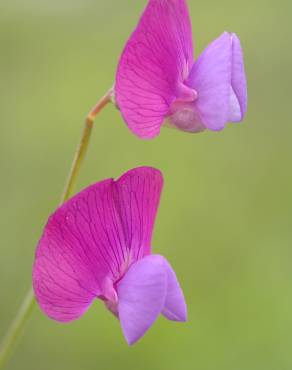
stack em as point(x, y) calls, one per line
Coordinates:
point(98, 244)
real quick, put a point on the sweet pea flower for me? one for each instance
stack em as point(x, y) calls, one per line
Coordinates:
point(98, 245)
point(159, 82)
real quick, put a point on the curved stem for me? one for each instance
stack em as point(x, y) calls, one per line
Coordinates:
point(83, 145)
point(25, 310)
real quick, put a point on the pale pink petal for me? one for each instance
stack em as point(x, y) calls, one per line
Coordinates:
point(184, 117)
point(238, 96)
point(211, 78)
point(89, 242)
point(175, 307)
point(141, 295)
point(154, 64)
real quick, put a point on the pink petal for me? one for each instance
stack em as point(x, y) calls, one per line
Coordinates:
point(238, 96)
point(141, 295)
point(89, 242)
point(175, 307)
point(211, 78)
point(139, 194)
point(154, 64)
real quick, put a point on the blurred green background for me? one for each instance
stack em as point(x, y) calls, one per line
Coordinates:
point(225, 217)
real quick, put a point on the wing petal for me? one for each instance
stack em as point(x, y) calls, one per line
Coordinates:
point(238, 82)
point(141, 296)
point(211, 78)
point(175, 307)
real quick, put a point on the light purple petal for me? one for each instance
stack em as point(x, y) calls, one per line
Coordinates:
point(175, 307)
point(154, 64)
point(211, 78)
point(238, 97)
point(234, 108)
point(90, 241)
point(141, 295)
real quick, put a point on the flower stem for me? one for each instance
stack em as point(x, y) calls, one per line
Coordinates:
point(83, 145)
point(17, 326)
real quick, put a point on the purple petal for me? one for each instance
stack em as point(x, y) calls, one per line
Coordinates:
point(175, 307)
point(90, 241)
point(154, 64)
point(238, 96)
point(141, 295)
point(211, 78)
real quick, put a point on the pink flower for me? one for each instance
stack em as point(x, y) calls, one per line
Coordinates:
point(158, 80)
point(98, 245)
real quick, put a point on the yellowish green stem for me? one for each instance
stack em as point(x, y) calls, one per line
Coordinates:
point(17, 326)
point(83, 145)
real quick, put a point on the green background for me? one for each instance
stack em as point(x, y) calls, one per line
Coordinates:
point(225, 216)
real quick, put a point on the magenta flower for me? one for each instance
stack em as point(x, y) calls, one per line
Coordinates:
point(158, 81)
point(98, 245)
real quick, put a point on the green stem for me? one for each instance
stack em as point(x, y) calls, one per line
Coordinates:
point(83, 146)
point(17, 326)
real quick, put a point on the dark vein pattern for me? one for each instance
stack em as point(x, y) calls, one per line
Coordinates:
point(155, 62)
point(89, 242)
